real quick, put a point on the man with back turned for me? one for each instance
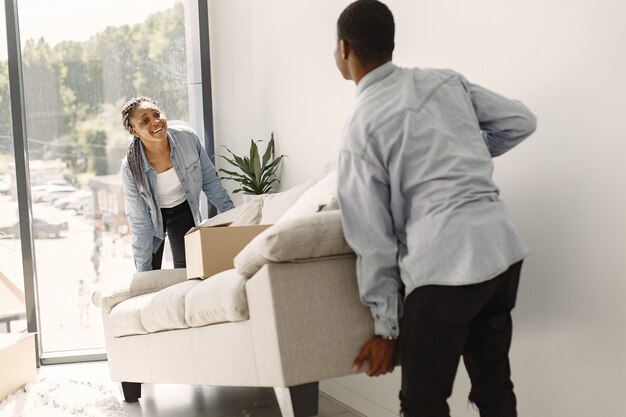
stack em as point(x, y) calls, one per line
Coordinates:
point(438, 257)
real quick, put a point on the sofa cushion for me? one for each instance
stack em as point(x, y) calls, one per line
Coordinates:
point(192, 303)
point(125, 318)
point(310, 236)
point(244, 214)
point(165, 310)
point(141, 283)
point(275, 205)
point(321, 193)
point(217, 299)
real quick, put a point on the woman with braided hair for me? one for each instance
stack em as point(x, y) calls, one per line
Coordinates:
point(163, 173)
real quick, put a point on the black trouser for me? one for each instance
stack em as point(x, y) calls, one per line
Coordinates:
point(443, 323)
point(176, 222)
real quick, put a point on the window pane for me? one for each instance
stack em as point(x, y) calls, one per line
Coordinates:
point(12, 310)
point(76, 77)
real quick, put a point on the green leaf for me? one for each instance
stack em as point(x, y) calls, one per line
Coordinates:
point(256, 169)
point(231, 161)
point(254, 150)
point(269, 151)
point(250, 190)
point(268, 186)
point(230, 172)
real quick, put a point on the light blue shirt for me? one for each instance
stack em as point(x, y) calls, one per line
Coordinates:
point(415, 185)
point(196, 173)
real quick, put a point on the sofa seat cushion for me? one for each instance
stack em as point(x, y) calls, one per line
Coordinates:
point(218, 299)
point(125, 317)
point(165, 310)
point(192, 303)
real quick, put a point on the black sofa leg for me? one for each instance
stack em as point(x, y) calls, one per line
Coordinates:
point(299, 400)
point(131, 391)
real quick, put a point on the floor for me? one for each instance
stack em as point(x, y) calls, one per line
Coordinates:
point(193, 401)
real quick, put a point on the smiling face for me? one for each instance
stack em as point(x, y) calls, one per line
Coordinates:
point(148, 122)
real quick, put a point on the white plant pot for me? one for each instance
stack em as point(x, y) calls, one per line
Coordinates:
point(249, 197)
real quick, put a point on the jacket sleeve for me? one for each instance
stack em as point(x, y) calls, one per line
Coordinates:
point(364, 196)
point(139, 221)
point(211, 182)
point(504, 122)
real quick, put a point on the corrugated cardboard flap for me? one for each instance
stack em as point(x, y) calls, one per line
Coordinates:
point(204, 224)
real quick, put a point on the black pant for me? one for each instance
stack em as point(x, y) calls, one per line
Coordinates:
point(443, 323)
point(176, 222)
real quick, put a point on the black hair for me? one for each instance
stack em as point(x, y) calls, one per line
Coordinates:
point(368, 27)
point(133, 154)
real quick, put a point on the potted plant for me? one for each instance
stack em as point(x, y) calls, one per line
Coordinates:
point(257, 174)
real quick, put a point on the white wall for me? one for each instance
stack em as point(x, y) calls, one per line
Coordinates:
point(273, 70)
point(565, 186)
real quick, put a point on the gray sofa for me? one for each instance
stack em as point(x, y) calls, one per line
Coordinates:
point(287, 316)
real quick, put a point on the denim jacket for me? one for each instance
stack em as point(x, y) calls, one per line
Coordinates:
point(196, 173)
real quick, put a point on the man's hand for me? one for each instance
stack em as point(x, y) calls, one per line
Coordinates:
point(381, 354)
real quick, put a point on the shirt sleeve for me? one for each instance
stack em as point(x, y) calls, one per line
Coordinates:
point(504, 122)
point(364, 197)
point(140, 223)
point(211, 183)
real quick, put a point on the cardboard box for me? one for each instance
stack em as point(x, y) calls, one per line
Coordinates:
point(211, 249)
point(17, 361)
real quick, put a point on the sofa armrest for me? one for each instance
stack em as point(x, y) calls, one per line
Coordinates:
point(307, 320)
point(141, 283)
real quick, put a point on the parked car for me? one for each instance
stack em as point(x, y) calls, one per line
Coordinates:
point(50, 193)
point(42, 228)
point(76, 200)
point(86, 208)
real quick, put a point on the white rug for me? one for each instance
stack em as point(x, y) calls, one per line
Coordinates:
point(64, 397)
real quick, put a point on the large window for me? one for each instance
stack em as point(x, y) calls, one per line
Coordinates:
point(78, 69)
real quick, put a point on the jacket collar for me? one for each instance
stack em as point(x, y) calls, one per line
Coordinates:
point(144, 158)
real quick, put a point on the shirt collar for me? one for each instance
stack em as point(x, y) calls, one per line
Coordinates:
point(374, 76)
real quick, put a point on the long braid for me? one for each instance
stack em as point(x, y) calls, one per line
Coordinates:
point(133, 154)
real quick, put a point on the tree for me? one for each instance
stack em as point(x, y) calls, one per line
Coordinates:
point(96, 140)
point(71, 88)
point(42, 91)
point(82, 74)
point(159, 51)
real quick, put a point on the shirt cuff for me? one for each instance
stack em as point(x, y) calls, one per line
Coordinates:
point(386, 327)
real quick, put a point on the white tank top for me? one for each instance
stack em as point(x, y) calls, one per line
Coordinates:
point(170, 191)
